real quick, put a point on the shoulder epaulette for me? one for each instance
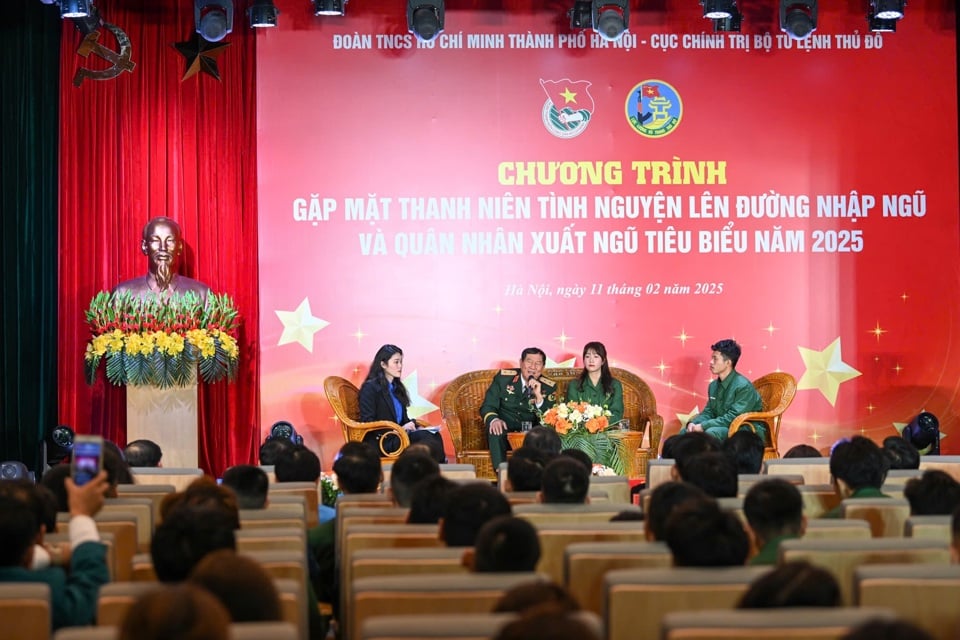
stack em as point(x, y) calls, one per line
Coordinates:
point(508, 372)
point(548, 382)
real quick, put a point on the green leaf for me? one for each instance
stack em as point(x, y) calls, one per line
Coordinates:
point(116, 372)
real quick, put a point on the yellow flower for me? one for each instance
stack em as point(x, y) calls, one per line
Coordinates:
point(115, 341)
point(229, 345)
point(100, 344)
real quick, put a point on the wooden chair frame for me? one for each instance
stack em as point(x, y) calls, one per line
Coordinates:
point(776, 393)
point(343, 397)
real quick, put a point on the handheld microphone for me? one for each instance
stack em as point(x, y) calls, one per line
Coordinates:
point(527, 391)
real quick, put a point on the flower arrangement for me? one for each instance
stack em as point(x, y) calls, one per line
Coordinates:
point(329, 491)
point(584, 426)
point(161, 341)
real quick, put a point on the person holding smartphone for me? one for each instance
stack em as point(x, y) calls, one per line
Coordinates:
point(73, 594)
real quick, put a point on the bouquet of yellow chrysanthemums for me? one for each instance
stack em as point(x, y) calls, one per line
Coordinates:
point(162, 342)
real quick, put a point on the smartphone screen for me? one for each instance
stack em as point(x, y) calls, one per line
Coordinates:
point(87, 459)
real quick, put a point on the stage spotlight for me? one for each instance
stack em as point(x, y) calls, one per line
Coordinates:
point(89, 23)
point(610, 18)
point(15, 470)
point(262, 14)
point(75, 8)
point(923, 432)
point(798, 18)
point(731, 24)
point(329, 7)
point(283, 430)
point(719, 9)
point(425, 18)
point(881, 24)
point(887, 9)
point(58, 444)
point(213, 19)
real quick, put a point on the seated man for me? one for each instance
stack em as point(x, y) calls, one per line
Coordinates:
point(469, 507)
point(902, 454)
point(250, 483)
point(858, 468)
point(73, 595)
point(143, 453)
point(774, 511)
point(664, 500)
point(701, 534)
point(713, 472)
point(412, 465)
point(505, 544)
point(935, 493)
point(514, 397)
point(745, 448)
point(543, 438)
point(729, 395)
point(565, 481)
point(525, 469)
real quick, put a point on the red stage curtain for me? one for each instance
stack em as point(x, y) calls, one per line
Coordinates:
point(143, 145)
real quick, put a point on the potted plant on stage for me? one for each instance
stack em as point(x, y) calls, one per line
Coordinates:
point(587, 427)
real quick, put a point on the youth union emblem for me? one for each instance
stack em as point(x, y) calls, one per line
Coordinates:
point(568, 108)
point(654, 108)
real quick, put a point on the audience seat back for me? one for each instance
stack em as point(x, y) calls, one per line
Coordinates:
point(795, 623)
point(929, 528)
point(141, 508)
point(309, 491)
point(818, 499)
point(25, 610)
point(116, 598)
point(925, 595)
point(289, 516)
point(461, 626)
point(658, 472)
point(538, 514)
point(617, 487)
point(179, 477)
point(154, 492)
point(747, 480)
point(263, 631)
point(271, 539)
point(887, 516)
point(586, 564)
point(947, 464)
point(813, 470)
point(556, 537)
point(834, 529)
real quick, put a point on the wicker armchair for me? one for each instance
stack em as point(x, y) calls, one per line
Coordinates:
point(460, 406)
point(776, 393)
point(343, 398)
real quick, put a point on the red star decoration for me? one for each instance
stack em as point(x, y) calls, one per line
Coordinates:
point(201, 55)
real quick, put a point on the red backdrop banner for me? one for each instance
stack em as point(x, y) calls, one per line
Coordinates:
point(516, 184)
point(146, 144)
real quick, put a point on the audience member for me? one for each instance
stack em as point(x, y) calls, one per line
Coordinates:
point(935, 493)
point(469, 507)
point(794, 584)
point(628, 515)
point(745, 449)
point(53, 479)
point(955, 536)
point(250, 483)
point(887, 630)
point(73, 595)
point(663, 501)
point(525, 469)
point(802, 451)
point(774, 512)
point(543, 438)
point(565, 481)
point(688, 445)
point(713, 472)
point(187, 534)
point(701, 534)
point(273, 447)
point(143, 453)
point(666, 449)
point(505, 544)
point(579, 456)
point(118, 471)
point(241, 584)
point(411, 466)
point(206, 493)
point(547, 623)
point(529, 595)
point(182, 612)
point(429, 498)
point(859, 468)
point(42, 503)
point(901, 454)
point(297, 464)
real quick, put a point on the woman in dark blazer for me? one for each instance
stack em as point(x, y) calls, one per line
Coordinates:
point(383, 397)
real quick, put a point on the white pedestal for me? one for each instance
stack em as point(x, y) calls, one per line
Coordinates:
point(169, 418)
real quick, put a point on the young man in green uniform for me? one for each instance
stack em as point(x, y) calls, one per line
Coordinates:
point(514, 397)
point(729, 395)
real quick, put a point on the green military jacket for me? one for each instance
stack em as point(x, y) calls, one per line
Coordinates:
point(612, 402)
point(728, 399)
point(504, 399)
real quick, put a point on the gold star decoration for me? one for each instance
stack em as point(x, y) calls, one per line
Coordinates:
point(419, 406)
point(683, 337)
point(825, 371)
point(684, 418)
point(904, 296)
point(877, 331)
point(568, 96)
point(898, 368)
point(358, 334)
point(562, 338)
point(662, 367)
point(770, 328)
point(870, 407)
point(815, 436)
point(299, 325)
point(201, 55)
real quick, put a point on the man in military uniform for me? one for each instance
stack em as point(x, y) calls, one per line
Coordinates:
point(729, 395)
point(515, 396)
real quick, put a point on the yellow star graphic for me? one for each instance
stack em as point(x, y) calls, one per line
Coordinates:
point(568, 96)
point(870, 407)
point(904, 296)
point(877, 331)
point(825, 371)
point(359, 334)
point(770, 328)
point(815, 436)
point(684, 418)
point(419, 406)
point(662, 367)
point(683, 337)
point(562, 338)
point(564, 364)
point(299, 325)
point(498, 309)
point(898, 368)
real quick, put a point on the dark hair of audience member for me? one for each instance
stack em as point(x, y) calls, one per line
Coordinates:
point(902, 454)
point(628, 515)
point(469, 507)
point(579, 456)
point(525, 468)
point(53, 479)
point(186, 535)
point(241, 584)
point(428, 499)
point(955, 534)
point(358, 468)
point(142, 453)
point(713, 472)
point(859, 463)
point(935, 493)
point(206, 493)
point(544, 438)
point(690, 444)
point(118, 471)
point(182, 612)
point(39, 499)
point(48, 508)
point(272, 448)
point(250, 483)
point(887, 630)
point(664, 500)
point(529, 595)
point(773, 508)
point(701, 534)
point(745, 449)
point(565, 481)
point(666, 449)
point(411, 466)
point(297, 464)
point(18, 529)
point(802, 451)
point(547, 622)
point(506, 544)
point(793, 584)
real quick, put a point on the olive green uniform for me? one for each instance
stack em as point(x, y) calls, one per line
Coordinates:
point(505, 400)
